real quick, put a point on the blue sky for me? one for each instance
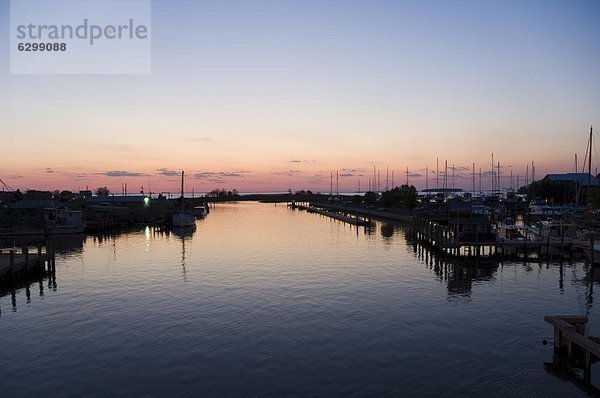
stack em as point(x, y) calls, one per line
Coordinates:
point(253, 86)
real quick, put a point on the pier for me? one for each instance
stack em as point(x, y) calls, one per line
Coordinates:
point(335, 213)
point(364, 212)
point(346, 217)
point(572, 348)
point(18, 264)
point(476, 237)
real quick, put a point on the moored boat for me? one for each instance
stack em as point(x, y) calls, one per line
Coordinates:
point(554, 232)
point(56, 221)
point(200, 211)
point(183, 218)
point(511, 233)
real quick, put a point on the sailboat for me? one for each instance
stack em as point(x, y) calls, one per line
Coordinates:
point(183, 218)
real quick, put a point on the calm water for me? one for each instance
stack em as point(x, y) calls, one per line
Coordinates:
point(265, 301)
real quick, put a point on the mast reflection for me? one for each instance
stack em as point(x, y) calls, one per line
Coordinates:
point(184, 234)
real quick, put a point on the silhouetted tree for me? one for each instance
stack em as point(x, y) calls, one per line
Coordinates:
point(408, 196)
point(391, 198)
point(32, 194)
point(66, 196)
point(102, 191)
point(222, 194)
point(404, 196)
point(370, 198)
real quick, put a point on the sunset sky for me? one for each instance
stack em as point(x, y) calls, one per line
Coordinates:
point(270, 95)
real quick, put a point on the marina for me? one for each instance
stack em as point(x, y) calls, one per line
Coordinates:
point(252, 300)
point(357, 199)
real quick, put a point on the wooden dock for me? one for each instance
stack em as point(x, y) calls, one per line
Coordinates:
point(364, 212)
point(572, 347)
point(469, 237)
point(17, 264)
point(335, 213)
point(345, 217)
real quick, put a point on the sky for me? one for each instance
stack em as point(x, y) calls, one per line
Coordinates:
point(274, 95)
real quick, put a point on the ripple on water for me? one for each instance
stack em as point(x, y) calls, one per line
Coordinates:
point(265, 301)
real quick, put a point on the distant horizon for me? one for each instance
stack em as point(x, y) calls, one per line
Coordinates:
point(463, 179)
point(342, 191)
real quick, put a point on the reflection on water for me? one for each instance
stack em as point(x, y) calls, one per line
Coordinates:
point(261, 300)
point(184, 234)
point(39, 280)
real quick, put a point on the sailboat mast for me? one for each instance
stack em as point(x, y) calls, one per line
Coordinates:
point(492, 176)
point(182, 189)
point(331, 183)
point(446, 175)
point(473, 191)
point(437, 174)
point(387, 178)
point(498, 185)
point(589, 168)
